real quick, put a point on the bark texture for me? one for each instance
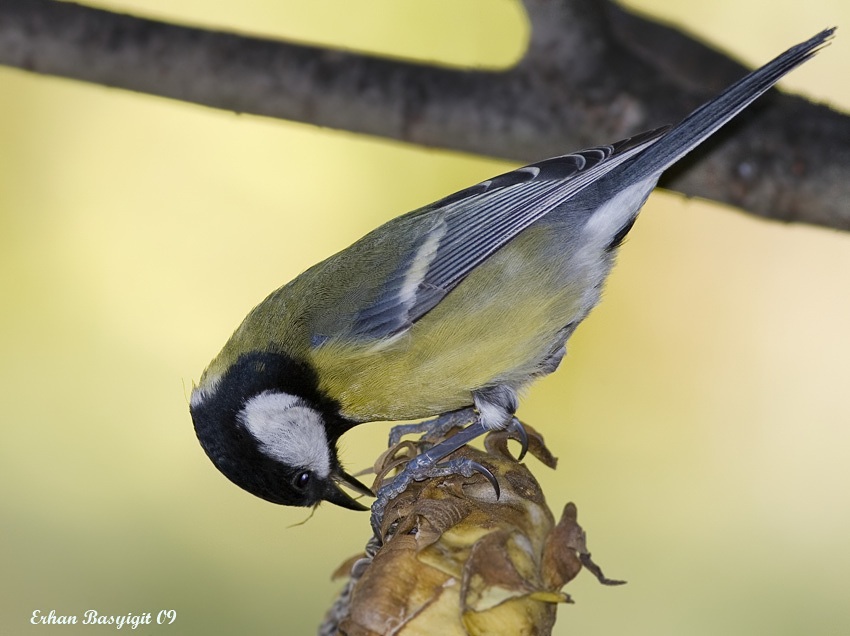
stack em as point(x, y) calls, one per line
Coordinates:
point(593, 73)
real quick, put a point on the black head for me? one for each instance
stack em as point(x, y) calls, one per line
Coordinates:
point(265, 425)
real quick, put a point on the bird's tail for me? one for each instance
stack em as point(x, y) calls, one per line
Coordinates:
point(706, 119)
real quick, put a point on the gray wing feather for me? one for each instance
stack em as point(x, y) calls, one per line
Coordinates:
point(469, 226)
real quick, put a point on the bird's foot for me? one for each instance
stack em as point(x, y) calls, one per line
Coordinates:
point(434, 429)
point(428, 464)
point(418, 469)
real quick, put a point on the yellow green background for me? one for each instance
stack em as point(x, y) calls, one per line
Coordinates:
point(702, 416)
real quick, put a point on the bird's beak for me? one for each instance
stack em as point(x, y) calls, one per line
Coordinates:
point(336, 495)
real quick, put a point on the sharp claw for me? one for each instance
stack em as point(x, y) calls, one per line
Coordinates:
point(519, 429)
point(480, 468)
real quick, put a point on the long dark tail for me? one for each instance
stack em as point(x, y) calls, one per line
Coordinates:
point(706, 119)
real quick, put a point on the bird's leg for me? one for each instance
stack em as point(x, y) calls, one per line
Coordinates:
point(433, 429)
point(426, 466)
point(495, 408)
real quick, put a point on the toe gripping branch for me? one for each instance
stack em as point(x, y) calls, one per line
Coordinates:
point(429, 464)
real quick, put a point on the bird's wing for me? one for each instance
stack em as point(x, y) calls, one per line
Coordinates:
point(472, 224)
point(469, 226)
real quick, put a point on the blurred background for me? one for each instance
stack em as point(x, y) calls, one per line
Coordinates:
point(701, 417)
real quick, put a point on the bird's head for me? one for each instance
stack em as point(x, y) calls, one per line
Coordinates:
point(266, 428)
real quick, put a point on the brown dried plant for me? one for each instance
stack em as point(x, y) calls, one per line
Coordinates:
point(452, 559)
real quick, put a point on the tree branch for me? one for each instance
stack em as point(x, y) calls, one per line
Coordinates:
point(593, 73)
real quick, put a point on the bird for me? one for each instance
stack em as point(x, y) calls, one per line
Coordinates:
point(455, 306)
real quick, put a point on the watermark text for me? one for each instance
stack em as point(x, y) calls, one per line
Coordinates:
point(93, 617)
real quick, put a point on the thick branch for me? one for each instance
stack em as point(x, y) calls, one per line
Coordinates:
point(593, 73)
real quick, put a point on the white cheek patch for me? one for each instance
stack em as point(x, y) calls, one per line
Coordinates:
point(288, 431)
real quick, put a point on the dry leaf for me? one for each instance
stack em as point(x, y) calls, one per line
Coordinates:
point(457, 561)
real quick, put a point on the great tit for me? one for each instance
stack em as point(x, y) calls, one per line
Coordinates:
point(458, 304)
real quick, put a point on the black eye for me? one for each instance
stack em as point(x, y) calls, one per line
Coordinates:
point(302, 480)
